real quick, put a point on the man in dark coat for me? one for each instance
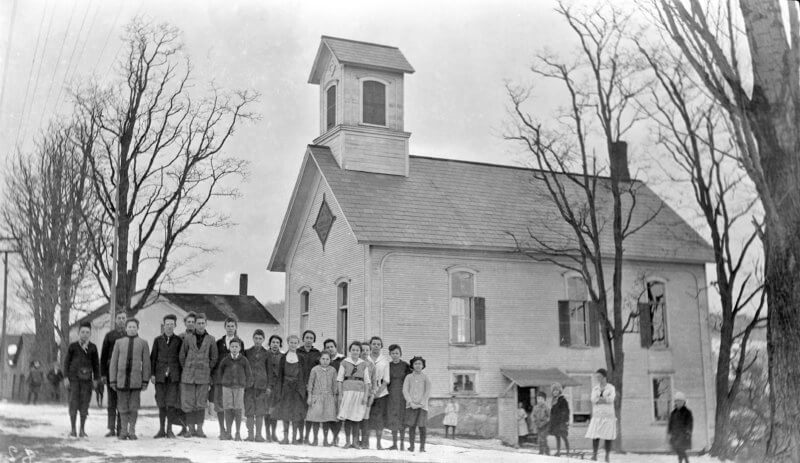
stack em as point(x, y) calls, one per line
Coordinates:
point(105, 359)
point(255, 397)
point(81, 366)
point(223, 349)
point(188, 323)
point(198, 355)
point(679, 430)
point(309, 358)
point(165, 365)
point(128, 374)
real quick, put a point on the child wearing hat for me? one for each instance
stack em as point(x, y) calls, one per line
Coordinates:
point(541, 419)
point(417, 391)
point(679, 430)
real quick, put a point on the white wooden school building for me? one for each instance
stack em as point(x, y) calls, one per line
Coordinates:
point(417, 250)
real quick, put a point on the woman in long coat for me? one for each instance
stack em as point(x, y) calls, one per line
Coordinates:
point(681, 424)
point(396, 408)
point(603, 424)
point(273, 361)
point(292, 408)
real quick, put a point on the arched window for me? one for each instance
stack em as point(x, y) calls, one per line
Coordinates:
point(374, 103)
point(304, 298)
point(653, 314)
point(342, 304)
point(330, 114)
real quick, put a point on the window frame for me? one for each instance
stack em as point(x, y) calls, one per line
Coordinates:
point(305, 296)
point(385, 84)
point(474, 374)
point(587, 344)
point(474, 273)
point(333, 84)
point(342, 306)
point(670, 399)
point(570, 393)
point(663, 281)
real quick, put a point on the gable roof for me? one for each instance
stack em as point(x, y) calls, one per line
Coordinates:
point(465, 205)
point(365, 54)
point(217, 307)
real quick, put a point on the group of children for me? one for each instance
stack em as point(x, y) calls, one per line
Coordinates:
point(546, 420)
point(303, 387)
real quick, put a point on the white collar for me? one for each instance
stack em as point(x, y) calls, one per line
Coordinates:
point(350, 359)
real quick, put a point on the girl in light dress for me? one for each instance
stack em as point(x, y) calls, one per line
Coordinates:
point(354, 388)
point(417, 391)
point(451, 416)
point(322, 390)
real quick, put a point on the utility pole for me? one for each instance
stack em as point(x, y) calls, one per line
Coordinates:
point(5, 252)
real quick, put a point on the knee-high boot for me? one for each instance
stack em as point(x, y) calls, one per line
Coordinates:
point(250, 424)
point(422, 435)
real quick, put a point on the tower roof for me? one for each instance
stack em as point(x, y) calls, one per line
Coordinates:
point(365, 54)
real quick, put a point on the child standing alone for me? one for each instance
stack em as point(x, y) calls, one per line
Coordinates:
point(541, 419)
point(451, 416)
point(235, 375)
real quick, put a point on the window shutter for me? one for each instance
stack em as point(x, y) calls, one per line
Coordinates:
point(594, 324)
point(563, 323)
point(479, 312)
point(645, 325)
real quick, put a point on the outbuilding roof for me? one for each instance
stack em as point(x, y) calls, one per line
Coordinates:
point(364, 54)
point(217, 307)
point(446, 203)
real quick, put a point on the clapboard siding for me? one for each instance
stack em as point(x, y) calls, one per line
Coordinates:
point(318, 269)
point(411, 301)
point(376, 154)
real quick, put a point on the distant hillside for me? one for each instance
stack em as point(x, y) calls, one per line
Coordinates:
point(759, 334)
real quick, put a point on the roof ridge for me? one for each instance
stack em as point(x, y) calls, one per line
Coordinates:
point(358, 41)
point(506, 166)
point(206, 294)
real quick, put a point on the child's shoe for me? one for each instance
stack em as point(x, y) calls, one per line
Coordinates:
point(237, 437)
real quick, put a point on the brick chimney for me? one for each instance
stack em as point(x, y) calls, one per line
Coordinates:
point(619, 161)
point(243, 284)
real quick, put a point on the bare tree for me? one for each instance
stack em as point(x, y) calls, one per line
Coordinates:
point(688, 127)
point(46, 198)
point(601, 86)
point(725, 43)
point(160, 159)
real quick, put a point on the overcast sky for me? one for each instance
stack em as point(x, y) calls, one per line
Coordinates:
point(455, 103)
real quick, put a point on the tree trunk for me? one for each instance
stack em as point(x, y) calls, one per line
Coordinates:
point(719, 448)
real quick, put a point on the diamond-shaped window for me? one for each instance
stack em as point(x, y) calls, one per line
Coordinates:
point(324, 222)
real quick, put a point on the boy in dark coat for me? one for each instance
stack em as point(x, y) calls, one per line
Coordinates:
point(105, 359)
point(255, 397)
point(216, 389)
point(165, 365)
point(129, 373)
point(35, 380)
point(198, 355)
point(55, 377)
point(188, 323)
point(82, 366)
point(235, 375)
point(679, 430)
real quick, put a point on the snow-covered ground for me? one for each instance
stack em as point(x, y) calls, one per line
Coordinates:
point(44, 429)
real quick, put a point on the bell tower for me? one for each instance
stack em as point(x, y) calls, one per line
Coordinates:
point(361, 104)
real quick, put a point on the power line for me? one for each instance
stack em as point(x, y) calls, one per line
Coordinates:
point(108, 37)
point(8, 56)
point(58, 61)
point(83, 47)
point(28, 85)
point(39, 69)
point(64, 82)
point(122, 43)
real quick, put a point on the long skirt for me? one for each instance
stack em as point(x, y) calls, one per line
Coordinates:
point(602, 428)
point(395, 411)
point(322, 409)
point(416, 417)
point(352, 406)
point(292, 406)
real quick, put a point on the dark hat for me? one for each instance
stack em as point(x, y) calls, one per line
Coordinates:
point(417, 358)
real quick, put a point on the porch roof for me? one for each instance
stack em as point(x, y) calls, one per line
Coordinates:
point(529, 377)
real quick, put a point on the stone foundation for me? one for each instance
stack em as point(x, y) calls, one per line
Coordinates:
point(476, 418)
